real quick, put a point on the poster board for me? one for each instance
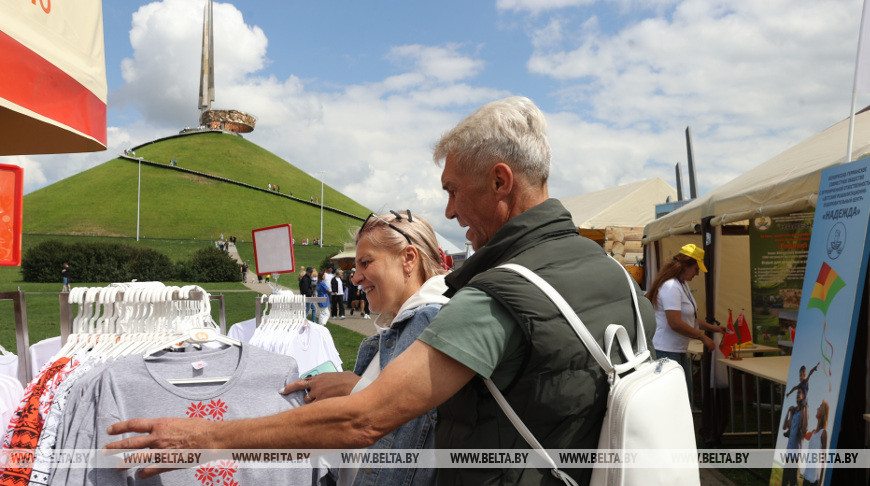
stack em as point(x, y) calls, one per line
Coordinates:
point(778, 249)
point(827, 321)
point(273, 249)
point(11, 191)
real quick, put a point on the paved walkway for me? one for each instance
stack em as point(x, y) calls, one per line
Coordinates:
point(251, 278)
point(356, 323)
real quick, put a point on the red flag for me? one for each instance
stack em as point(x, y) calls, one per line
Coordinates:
point(791, 332)
point(730, 337)
point(743, 333)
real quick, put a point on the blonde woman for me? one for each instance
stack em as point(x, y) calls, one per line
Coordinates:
point(399, 266)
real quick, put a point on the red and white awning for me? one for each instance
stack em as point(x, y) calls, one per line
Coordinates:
point(52, 77)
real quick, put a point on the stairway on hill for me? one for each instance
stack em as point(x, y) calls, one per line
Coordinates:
point(251, 277)
point(353, 323)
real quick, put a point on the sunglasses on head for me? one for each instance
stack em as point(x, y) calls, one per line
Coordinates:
point(391, 225)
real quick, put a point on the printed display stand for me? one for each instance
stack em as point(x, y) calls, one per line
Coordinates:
point(273, 249)
point(830, 305)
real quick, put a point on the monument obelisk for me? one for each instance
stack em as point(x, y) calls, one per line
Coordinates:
point(227, 120)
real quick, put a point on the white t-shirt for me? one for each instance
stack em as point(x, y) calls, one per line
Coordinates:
point(9, 365)
point(42, 352)
point(673, 296)
point(313, 347)
point(243, 331)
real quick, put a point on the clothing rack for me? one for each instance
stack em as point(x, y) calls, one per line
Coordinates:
point(22, 341)
point(258, 306)
point(66, 313)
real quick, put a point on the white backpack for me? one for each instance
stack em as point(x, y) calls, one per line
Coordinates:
point(647, 409)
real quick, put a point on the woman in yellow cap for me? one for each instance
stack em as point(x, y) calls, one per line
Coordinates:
point(676, 312)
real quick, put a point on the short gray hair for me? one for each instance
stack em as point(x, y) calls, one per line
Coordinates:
point(512, 130)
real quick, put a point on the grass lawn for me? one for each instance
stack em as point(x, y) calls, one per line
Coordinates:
point(103, 199)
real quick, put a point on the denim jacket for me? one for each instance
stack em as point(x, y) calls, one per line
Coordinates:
point(418, 433)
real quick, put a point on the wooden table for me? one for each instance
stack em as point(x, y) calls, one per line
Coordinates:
point(771, 368)
point(750, 351)
point(697, 347)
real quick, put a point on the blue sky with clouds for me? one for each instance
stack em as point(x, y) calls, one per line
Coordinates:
point(363, 89)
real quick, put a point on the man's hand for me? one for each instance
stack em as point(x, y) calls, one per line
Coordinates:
point(324, 385)
point(162, 433)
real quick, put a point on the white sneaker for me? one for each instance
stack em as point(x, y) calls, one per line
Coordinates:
point(341, 318)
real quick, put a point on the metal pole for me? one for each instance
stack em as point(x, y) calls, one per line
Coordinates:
point(321, 209)
point(855, 83)
point(693, 193)
point(679, 172)
point(138, 198)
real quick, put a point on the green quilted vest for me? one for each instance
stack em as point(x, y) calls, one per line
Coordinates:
point(561, 392)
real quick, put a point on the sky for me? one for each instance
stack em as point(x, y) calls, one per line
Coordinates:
point(362, 90)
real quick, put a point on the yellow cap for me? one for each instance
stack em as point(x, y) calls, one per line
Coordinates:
point(696, 253)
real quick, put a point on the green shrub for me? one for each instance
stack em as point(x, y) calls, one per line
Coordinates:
point(116, 262)
point(211, 265)
point(89, 262)
point(43, 262)
point(149, 265)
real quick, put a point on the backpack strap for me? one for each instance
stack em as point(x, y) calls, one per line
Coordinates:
point(602, 356)
point(527, 434)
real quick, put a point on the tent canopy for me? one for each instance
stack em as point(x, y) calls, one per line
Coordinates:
point(52, 77)
point(787, 183)
point(626, 205)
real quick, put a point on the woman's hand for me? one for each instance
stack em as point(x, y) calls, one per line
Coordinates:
point(324, 385)
point(709, 326)
point(708, 343)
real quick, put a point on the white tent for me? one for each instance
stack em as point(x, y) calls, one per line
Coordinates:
point(787, 183)
point(784, 184)
point(52, 77)
point(626, 205)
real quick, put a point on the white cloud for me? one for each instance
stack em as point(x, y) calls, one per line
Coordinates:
point(162, 77)
point(34, 176)
point(751, 78)
point(538, 6)
point(442, 63)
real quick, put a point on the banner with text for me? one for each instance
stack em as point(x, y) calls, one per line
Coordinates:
point(778, 249)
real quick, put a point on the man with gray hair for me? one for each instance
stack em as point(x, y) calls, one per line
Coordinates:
point(496, 326)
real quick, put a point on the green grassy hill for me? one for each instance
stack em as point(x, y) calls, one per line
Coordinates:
point(102, 201)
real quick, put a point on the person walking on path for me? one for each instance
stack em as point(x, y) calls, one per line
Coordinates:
point(338, 295)
point(64, 276)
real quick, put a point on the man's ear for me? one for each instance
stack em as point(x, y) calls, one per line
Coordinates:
point(502, 180)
